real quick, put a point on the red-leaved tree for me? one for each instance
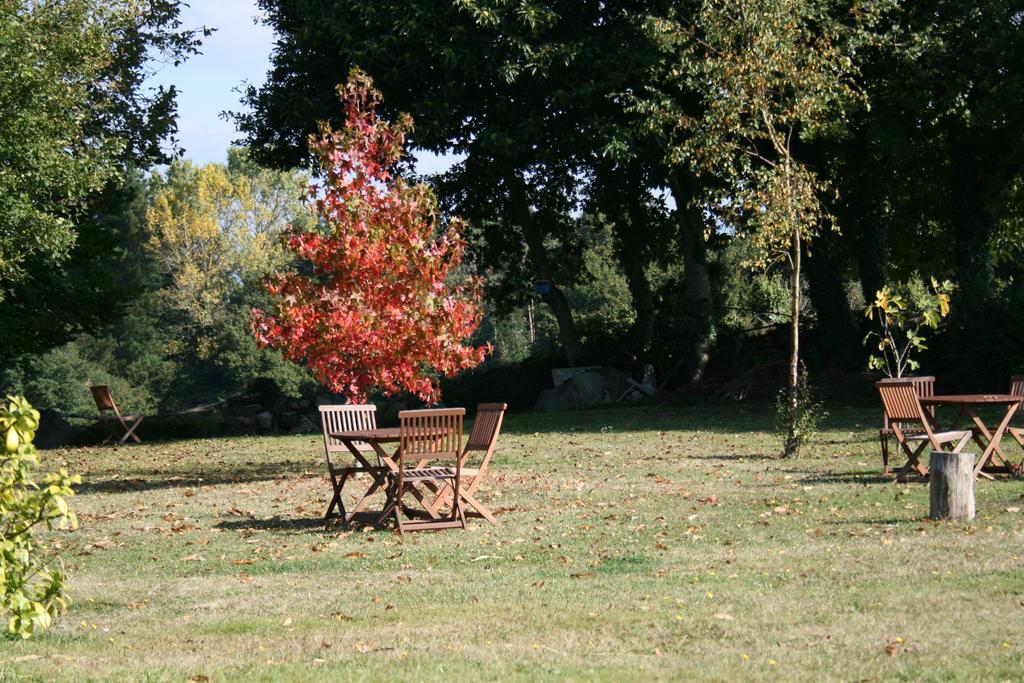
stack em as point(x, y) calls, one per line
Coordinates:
point(382, 305)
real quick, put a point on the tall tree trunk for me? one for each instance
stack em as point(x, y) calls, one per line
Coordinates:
point(871, 240)
point(973, 227)
point(621, 200)
point(837, 336)
point(533, 235)
point(861, 215)
point(792, 447)
point(698, 316)
point(641, 334)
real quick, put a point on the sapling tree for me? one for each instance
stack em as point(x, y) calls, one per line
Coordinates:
point(771, 72)
point(900, 313)
point(382, 302)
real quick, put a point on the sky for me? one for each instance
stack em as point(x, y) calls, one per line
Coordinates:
point(237, 53)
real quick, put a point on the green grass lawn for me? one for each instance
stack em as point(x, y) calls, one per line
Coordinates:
point(657, 542)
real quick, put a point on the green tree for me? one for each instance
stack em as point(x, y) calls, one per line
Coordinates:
point(927, 173)
point(70, 72)
point(77, 123)
point(214, 232)
point(773, 71)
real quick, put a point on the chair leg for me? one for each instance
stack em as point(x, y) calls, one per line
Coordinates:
point(913, 463)
point(336, 501)
point(963, 442)
point(478, 506)
point(884, 438)
point(398, 519)
point(130, 433)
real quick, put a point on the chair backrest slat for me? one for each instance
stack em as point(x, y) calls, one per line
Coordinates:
point(900, 401)
point(104, 401)
point(431, 434)
point(924, 386)
point(486, 426)
point(346, 418)
point(1017, 385)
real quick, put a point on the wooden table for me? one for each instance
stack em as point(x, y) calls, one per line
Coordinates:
point(988, 440)
point(378, 473)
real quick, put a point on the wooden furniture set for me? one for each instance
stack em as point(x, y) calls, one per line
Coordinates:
point(910, 407)
point(427, 468)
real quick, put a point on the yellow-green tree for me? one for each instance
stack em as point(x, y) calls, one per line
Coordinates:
point(214, 232)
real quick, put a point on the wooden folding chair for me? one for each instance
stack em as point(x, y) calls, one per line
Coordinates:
point(121, 427)
point(344, 418)
point(483, 438)
point(911, 424)
point(924, 386)
point(427, 436)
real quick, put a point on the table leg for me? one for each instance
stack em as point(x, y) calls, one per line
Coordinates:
point(378, 474)
point(391, 464)
point(992, 451)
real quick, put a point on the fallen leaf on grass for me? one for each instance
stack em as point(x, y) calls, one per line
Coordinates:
point(355, 555)
point(723, 616)
point(1013, 509)
point(193, 558)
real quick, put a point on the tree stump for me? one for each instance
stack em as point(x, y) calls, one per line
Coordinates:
point(951, 483)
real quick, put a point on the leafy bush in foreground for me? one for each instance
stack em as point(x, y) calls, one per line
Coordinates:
point(33, 591)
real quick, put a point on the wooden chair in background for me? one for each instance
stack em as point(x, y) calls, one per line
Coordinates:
point(924, 386)
point(121, 427)
point(343, 418)
point(911, 424)
point(427, 436)
point(483, 438)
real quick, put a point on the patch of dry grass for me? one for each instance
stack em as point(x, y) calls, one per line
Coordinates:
point(649, 542)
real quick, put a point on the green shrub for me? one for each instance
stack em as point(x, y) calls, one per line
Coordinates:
point(60, 379)
point(810, 414)
point(33, 590)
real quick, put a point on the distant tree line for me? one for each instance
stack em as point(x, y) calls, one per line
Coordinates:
point(684, 184)
point(567, 112)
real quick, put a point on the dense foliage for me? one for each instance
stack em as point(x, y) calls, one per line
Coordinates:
point(78, 123)
point(382, 307)
point(33, 584)
point(565, 111)
point(619, 166)
point(207, 236)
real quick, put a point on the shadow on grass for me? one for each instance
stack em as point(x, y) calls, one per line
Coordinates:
point(159, 479)
point(865, 478)
point(278, 524)
point(305, 524)
point(889, 521)
point(736, 457)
